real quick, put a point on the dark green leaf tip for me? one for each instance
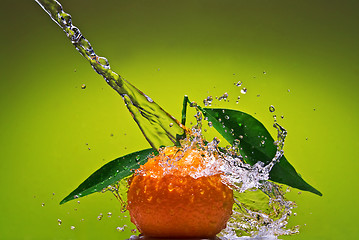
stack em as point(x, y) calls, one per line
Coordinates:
point(110, 173)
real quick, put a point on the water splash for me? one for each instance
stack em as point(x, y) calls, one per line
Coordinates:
point(261, 210)
point(158, 127)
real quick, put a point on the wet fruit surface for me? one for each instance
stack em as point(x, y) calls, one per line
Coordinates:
point(169, 198)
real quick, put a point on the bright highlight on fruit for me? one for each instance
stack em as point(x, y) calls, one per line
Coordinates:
point(171, 197)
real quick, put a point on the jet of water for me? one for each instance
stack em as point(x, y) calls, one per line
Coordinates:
point(158, 126)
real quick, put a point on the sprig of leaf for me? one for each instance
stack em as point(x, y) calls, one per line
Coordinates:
point(110, 173)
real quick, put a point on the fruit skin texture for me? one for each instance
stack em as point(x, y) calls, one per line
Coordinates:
point(172, 203)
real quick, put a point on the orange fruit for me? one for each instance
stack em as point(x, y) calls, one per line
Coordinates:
point(169, 197)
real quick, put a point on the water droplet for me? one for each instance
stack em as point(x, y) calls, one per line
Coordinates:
point(120, 229)
point(264, 72)
point(237, 102)
point(42, 204)
point(263, 142)
point(83, 86)
point(171, 124)
point(210, 124)
point(258, 95)
point(134, 230)
point(78, 202)
point(109, 214)
point(193, 104)
point(288, 90)
point(226, 117)
point(224, 97)
point(99, 217)
point(244, 90)
point(59, 221)
point(240, 136)
point(104, 62)
point(208, 101)
point(238, 84)
point(72, 227)
point(220, 120)
point(76, 196)
point(282, 116)
point(170, 187)
point(271, 108)
point(138, 158)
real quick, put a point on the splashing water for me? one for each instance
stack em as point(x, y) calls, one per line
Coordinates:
point(159, 127)
point(260, 211)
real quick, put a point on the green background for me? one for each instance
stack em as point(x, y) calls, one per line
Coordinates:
point(168, 49)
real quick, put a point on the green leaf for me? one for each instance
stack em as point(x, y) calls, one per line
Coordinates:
point(256, 144)
point(110, 173)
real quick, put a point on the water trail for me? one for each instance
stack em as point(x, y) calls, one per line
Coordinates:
point(158, 127)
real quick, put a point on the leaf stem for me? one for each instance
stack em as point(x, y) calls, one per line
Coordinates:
point(184, 109)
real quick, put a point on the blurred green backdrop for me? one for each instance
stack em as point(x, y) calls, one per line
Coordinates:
point(300, 56)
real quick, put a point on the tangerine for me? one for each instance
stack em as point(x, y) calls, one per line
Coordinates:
point(172, 196)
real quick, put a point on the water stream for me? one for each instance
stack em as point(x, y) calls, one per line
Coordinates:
point(158, 126)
